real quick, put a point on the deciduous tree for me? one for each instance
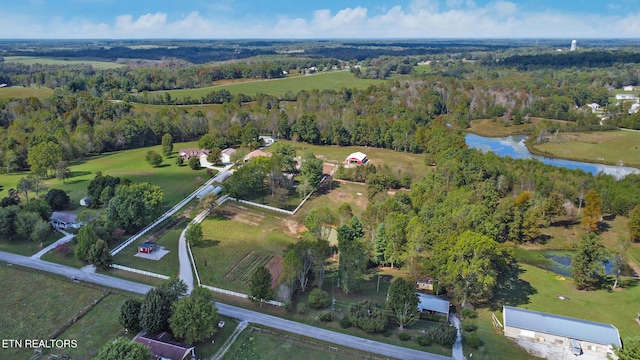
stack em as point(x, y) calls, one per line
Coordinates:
point(634, 224)
point(215, 155)
point(260, 285)
point(130, 314)
point(402, 304)
point(58, 199)
point(194, 234)
point(153, 158)
point(353, 255)
point(99, 255)
point(85, 239)
point(193, 318)
point(592, 211)
point(368, 316)
point(44, 157)
point(123, 349)
point(156, 306)
point(134, 206)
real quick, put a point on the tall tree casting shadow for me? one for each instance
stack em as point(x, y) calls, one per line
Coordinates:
point(511, 289)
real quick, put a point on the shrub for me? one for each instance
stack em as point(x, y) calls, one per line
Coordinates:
point(318, 299)
point(325, 316)
point(472, 341)
point(386, 333)
point(345, 323)
point(368, 316)
point(424, 340)
point(301, 308)
point(468, 313)
point(288, 306)
point(469, 326)
point(403, 336)
point(444, 334)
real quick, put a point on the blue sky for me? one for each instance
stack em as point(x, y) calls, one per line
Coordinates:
point(228, 19)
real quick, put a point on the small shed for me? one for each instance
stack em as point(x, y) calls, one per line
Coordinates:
point(85, 201)
point(425, 284)
point(433, 304)
point(147, 247)
point(627, 88)
point(357, 158)
point(226, 155)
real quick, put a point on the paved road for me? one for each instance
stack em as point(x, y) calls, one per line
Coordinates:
point(232, 311)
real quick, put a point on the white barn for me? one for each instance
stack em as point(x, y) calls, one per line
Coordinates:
point(566, 333)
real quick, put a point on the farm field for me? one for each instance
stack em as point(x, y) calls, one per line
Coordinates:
point(236, 244)
point(24, 92)
point(258, 343)
point(35, 305)
point(31, 60)
point(332, 80)
point(490, 128)
point(176, 181)
point(601, 146)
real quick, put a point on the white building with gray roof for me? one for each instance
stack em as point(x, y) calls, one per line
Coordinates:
point(574, 335)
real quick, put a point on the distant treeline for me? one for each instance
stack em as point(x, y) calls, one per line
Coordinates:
point(572, 59)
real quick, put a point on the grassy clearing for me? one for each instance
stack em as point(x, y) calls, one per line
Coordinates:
point(603, 147)
point(24, 92)
point(261, 343)
point(228, 240)
point(126, 275)
point(34, 305)
point(490, 128)
point(176, 181)
point(31, 60)
point(68, 260)
point(96, 328)
point(324, 81)
point(206, 349)
point(28, 248)
point(354, 194)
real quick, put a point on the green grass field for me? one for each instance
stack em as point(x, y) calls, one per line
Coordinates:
point(176, 181)
point(247, 233)
point(604, 147)
point(26, 247)
point(257, 343)
point(24, 92)
point(490, 128)
point(323, 81)
point(31, 60)
point(35, 305)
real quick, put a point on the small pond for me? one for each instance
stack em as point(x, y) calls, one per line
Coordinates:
point(559, 262)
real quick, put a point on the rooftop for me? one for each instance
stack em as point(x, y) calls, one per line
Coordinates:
point(433, 303)
point(595, 332)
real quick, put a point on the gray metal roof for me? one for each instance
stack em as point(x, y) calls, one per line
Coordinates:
point(595, 332)
point(433, 303)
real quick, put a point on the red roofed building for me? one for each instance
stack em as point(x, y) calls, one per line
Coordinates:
point(162, 347)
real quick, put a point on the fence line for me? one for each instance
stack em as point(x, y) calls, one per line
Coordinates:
point(237, 294)
point(138, 271)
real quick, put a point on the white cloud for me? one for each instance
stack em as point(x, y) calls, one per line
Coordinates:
point(421, 19)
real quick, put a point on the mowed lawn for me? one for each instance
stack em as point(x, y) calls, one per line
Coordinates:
point(175, 181)
point(256, 344)
point(335, 80)
point(600, 146)
point(24, 92)
point(490, 128)
point(235, 245)
point(31, 60)
point(34, 305)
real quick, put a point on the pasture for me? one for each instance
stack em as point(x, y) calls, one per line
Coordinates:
point(176, 181)
point(608, 147)
point(37, 305)
point(235, 244)
point(24, 92)
point(32, 60)
point(323, 81)
point(490, 128)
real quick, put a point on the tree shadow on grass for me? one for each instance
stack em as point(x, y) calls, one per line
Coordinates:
point(207, 244)
point(512, 290)
point(163, 165)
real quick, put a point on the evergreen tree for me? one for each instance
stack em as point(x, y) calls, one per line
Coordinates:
point(260, 285)
point(130, 314)
point(587, 264)
point(167, 145)
point(402, 304)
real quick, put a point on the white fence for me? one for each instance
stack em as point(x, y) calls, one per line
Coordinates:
point(240, 295)
point(142, 272)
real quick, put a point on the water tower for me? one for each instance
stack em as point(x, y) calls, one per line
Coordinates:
point(574, 45)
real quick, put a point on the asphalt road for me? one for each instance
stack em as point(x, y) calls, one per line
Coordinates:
point(232, 311)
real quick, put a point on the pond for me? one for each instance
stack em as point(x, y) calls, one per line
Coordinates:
point(559, 262)
point(514, 146)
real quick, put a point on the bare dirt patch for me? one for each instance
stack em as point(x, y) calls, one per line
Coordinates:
point(292, 227)
point(243, 215)
point(275, 268)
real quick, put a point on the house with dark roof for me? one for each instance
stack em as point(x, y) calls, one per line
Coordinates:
point(567, 333)
point(162, 347)
point(432, 304)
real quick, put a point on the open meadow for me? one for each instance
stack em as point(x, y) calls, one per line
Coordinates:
point(335, 80)
point(608, 147)
point(490, 128)
point(24, 92)
point(175, 181)
point(31, 60)
point(39, 306)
